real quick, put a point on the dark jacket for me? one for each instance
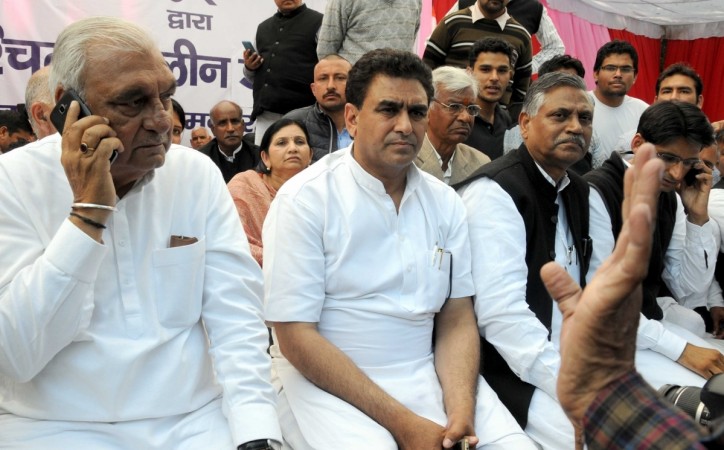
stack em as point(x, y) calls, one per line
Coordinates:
point(288, 44)
point(321, 128)
point(608, 181)
point(247, 158)
point(535, 199)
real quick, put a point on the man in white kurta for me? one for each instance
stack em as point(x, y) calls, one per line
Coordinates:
point(359, 270)
point(685, 249)
point(130, 307)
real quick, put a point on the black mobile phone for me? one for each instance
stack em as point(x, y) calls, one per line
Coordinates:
point(59, 113)
point(690, 177)
point(249, 46)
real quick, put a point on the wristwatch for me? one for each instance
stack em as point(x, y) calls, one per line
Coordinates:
point(259, 444)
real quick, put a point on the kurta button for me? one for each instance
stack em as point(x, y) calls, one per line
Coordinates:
point(552, 254)
point(554, 219)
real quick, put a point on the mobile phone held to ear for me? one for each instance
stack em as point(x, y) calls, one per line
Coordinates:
point(60, 112)
point(249, 46)
point(690, 177)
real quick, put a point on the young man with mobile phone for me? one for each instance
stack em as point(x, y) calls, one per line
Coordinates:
point(684, 251)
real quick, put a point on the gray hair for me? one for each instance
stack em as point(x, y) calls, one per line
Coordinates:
point(537, 91)
point(37, 90)
point(454, 79)
point(103, 35)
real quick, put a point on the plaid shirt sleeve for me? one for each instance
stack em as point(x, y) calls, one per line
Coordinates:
point(629, 414)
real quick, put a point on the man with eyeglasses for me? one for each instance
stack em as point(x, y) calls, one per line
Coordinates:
point(452, 39)
point(615, 73)
point(684, 251)
point(450, 119)
point(490, 62)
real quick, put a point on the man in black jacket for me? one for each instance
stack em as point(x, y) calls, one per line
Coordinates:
point(325, 119)
point(282, 66)
point(229, 150)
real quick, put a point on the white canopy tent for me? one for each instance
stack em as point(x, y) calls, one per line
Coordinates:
point(671, 19)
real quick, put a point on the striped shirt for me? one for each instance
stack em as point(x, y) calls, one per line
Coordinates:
point(452, 39)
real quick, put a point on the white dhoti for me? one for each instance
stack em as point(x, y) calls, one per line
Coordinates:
point(206, 427)
point(547, 424)
point(314, 419)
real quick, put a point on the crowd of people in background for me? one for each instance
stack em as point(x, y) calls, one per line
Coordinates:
point(371, 267)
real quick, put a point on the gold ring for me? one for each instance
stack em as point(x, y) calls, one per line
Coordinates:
point(84, 148)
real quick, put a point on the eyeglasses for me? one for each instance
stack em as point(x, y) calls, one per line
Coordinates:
point(457, 108)
point(613, 69)
point(672, 160)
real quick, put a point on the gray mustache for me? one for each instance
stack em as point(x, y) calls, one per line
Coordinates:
point(575, 140)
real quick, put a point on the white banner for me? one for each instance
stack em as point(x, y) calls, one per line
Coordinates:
point(200, 39)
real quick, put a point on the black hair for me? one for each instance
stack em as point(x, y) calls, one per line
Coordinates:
point(616, 47)
point(271, 131)
point(681, 69)
point(388, 62)
point(15, 121)
point(559, 62)
point(491, 45)
point(663, 122)
point(276, 126)
point(179, 110)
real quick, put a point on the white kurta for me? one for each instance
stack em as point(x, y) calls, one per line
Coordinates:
point(500, 272)
point(688, 269)
point(128, 329)
point(337, 253)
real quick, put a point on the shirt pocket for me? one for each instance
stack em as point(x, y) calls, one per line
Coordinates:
point(179, 281)
point(434, 268)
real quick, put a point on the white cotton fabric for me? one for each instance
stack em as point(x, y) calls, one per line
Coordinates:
point(337, 253)
point(113, 332)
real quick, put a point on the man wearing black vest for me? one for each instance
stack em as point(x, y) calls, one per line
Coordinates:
point(684, 251)
point(282, 68)
point(527, 209)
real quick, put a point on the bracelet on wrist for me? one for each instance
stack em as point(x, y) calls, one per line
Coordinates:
point(88, 221)
point(93, 206)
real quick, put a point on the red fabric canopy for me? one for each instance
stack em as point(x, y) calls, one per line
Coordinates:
point(704, 55)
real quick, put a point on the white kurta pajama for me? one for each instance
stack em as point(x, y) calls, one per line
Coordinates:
point(689, 268)
point(105, 342)
point(338, 254)
point(498, 237)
